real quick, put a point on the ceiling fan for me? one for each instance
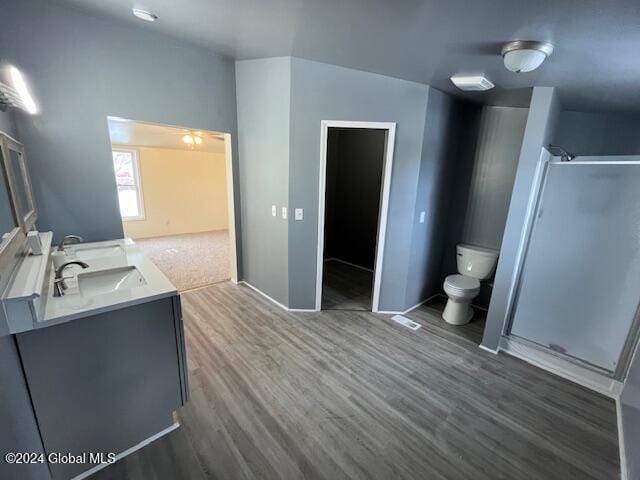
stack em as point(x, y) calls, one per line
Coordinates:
point(196, 137)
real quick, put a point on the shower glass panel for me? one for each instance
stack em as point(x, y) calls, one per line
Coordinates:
point(580, 283)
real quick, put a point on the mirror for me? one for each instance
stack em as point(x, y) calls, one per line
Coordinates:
point(12, 237)
point(7, 218)
point(20, 183)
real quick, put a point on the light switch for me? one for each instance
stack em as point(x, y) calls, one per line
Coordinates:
point(422, 217)
point(284, 212)
point(299, 214)
point(274, 211)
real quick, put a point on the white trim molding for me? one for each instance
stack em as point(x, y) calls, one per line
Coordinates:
point(487, 349)
point(564, 368)
point(231, 208)
point(624, 469)
point(274, 301)
point(257, 290)
point(128, 451)
point(384, 203)
point(333, 259)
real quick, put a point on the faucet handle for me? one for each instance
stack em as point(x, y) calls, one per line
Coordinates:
point(67, 239)
point(59, 284)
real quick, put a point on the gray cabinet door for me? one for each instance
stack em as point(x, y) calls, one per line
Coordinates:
point(104, 383)
point(580, 283)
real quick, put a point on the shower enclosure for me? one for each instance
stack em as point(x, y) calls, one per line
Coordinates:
point(578, 289)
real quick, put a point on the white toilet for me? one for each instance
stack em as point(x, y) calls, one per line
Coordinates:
point(474, 264)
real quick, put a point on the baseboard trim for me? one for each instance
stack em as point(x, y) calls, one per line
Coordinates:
point(333, 259)
point(624, 473)
point(257, 290)
point(421, 303)
point(487, 349)
point(403, 312)
point(563, 368)
point(127, 452)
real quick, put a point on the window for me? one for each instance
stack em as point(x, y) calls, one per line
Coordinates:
point(125, 166)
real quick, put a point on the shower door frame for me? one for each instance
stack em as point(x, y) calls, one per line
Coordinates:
point(632, 340)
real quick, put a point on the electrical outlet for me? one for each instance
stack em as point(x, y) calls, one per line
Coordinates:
point(298, 214)
point(284, 213)
point(422, 214)
point(274, 211)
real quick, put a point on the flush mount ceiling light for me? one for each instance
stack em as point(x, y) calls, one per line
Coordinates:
point(144, 15)
point(525, 56)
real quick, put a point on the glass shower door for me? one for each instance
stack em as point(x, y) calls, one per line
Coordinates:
point(580, 282)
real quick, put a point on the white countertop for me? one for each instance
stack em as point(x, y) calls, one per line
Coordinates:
point(50, 310)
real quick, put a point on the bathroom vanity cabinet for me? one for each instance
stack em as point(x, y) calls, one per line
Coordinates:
point(103, 356)
point(106, 382)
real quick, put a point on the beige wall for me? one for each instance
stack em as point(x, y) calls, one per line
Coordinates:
point(183, 192)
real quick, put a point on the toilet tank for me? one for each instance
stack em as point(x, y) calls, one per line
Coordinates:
point(476, 262)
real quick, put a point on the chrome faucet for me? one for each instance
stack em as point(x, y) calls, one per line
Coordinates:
point(68, 239)
point(59, 286)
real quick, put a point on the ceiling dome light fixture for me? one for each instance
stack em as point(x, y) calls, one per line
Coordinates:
point(144, 15)
point(525, 56)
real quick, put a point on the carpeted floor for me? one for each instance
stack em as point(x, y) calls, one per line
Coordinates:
point(190, 260)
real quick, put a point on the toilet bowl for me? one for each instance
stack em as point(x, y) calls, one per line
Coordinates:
point(474, 264)
point(460, 290)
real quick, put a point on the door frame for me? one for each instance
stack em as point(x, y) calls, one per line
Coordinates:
point(231, 185)
point(387, 169)
point(231, 207)
point(633, 339)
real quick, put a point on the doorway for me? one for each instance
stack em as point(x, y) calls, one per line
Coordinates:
point(175, 192)
point(355, 175)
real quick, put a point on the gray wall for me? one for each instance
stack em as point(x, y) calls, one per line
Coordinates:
point(81, 69)
point(483, 183)
point(355, 159)
point(19, 432)
point(326, 92)
point(263, 93)
point(494, 171)
point(427, 158)
point(585, 133)
point(443, 182)
point(630, 410)
point(541, 122)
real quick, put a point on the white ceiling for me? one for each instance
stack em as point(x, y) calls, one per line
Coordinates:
point(141, 134)
point(594, 65)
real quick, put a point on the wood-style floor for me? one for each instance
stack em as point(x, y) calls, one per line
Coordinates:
point(345, 287)
point(337, 395)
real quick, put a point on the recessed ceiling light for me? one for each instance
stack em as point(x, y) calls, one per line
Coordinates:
point(525, 56)
point(144, 15)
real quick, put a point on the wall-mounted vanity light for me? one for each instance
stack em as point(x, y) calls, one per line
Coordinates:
point(14, 91)
point(144, 15)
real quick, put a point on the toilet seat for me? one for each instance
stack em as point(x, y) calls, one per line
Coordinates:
point(462, 284)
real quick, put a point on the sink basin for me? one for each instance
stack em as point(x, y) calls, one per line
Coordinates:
point(88, 252)
point(108, 281)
